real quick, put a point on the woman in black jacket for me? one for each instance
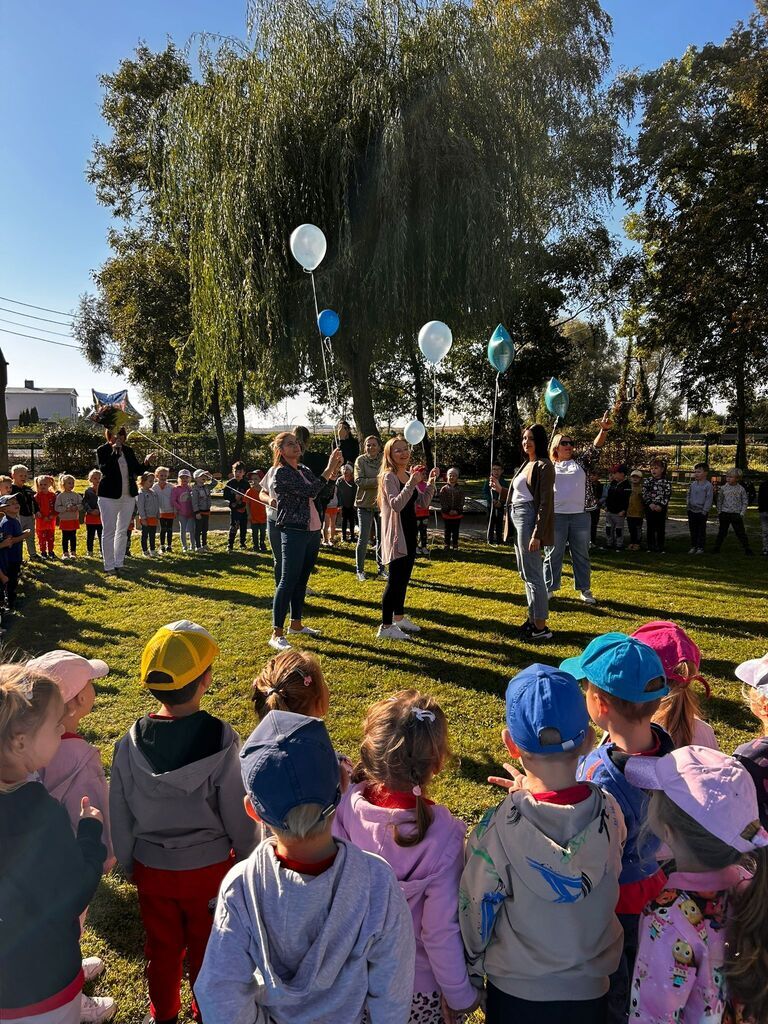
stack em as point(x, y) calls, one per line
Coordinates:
point(299, 524)
point(119, 468)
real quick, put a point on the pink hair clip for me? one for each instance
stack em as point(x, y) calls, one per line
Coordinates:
point(307, 679)
point(416, 790)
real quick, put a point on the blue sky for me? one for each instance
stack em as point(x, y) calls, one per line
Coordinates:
point(52, 231)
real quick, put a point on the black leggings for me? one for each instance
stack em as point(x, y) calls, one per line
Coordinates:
point(348, 522)
point(502, 1008)
point(166, 533)
point(92, 531)
point(393, 599)
point(12, 572)
point(148, 536)
point(201, 531)
point(68, 541)
point(238, 521)
point(422, 539)
point(451, 530)
point(656, 529)
point(726, 520)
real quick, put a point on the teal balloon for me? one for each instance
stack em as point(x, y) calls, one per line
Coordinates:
point(556, 398)
point(328, 322)
point(501, 350)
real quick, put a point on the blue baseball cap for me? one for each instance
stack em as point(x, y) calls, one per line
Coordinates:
point(620, 665)
point(8, 499)
point(287, 761)
point(542, 697)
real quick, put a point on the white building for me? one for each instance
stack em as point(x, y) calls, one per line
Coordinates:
point(51, 403)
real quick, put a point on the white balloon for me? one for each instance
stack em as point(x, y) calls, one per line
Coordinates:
point(308, 246)
point(435, 340)
point(414, 432)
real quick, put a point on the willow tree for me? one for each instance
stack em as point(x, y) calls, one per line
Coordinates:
point(455, 156)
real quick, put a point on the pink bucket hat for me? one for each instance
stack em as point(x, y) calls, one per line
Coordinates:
point(673, 645)
point(70, 671)
point(714, 789)
point(755, 674)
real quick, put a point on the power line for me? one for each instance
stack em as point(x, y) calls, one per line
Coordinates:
point(34, 337)
point(29, 316)
point(45, 330)
point(31, 305)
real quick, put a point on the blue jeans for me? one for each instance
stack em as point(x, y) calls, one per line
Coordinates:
point(187, 532)
point(529, 563)
point(277, 548)
point(367, 518)
point(299, 550)
point(575, 530)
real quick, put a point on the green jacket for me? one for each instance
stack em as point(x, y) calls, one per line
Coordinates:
point(367, 480)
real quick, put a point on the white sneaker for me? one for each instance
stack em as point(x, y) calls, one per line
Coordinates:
point(551, 594)
point(280, 643)
point(692, 551)
point(306, 630)
point(92, 967)
point(407, 626)
point(309, 592)
point(588, 597)
point(95, 1008)
point(360, 577)
point(392, 632)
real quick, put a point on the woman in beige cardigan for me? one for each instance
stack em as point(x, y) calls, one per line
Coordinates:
point(398, 497)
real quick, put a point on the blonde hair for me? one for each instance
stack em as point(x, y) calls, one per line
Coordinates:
point(19, 467)
point(681, 707)
point(632, 711)
point(405, 742)
point(93, 473)
point(387, 464)
point(25, 699)
point(291, 681)
point(38, 479)
point(304, 822)
point(277, 446)
point(64, 477)
point(146, 476)
point(161, 469)
point(746, 968)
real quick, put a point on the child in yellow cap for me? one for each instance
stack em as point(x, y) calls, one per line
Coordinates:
point(176, 804)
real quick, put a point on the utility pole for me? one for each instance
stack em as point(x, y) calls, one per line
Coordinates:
point(3, 415)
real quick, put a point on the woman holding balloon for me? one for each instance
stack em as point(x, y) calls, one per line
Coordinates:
point(531, 501)
point(398, 496)
point(574, 501)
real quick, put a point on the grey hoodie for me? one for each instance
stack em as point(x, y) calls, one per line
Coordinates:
point(288, 948)
point(538, 897)
point(188, 818)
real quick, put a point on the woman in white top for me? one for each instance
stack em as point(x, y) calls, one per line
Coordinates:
point(574, 500)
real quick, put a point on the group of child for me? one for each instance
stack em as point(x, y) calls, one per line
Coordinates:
point(632, 499)
point(623, 882)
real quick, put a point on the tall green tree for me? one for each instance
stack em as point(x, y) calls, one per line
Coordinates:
point(456, 157)
point(698, 172)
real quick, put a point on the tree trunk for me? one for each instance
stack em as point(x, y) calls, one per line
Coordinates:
point(357, 366)
point(418, 396)
point(741, 419)
point(3, 417)
point(237, 454)
point(221, 437)
point(508, 431)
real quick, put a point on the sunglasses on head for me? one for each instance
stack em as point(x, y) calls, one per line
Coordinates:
point(566, 441)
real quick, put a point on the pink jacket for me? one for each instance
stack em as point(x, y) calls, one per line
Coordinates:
point(181, 500)
point(679, 968)
point(393, 500)
point(76, 771)
point(429, 875)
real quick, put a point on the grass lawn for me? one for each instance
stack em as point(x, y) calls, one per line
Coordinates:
point(470, 606)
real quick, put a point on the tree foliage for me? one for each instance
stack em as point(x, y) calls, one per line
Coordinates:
point(699, 174)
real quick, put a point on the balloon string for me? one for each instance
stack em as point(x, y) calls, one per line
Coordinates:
point(434, 409)
point(331, 402)
point(178, 458)
point(493, 433)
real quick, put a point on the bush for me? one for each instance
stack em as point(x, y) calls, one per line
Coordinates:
point(70, 449)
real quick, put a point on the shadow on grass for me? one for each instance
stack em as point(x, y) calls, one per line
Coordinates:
point(114, 916)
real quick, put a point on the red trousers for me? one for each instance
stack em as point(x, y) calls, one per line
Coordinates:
point(45, 538)
point(176, 918)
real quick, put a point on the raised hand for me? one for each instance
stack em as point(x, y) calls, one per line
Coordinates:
point(88, 811)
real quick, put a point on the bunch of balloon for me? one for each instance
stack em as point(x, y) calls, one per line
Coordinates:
point(308, 247)
point(501, 355)
point(435, 340)
point(557, 400)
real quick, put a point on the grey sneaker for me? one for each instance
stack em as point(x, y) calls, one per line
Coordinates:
point(588, 597)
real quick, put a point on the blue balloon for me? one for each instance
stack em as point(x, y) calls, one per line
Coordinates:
point(501, 350)
point(328, 322)
point(556, 398)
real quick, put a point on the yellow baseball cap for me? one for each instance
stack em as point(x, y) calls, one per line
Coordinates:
point(182, 650)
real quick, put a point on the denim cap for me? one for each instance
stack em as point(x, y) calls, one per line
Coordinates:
point(619, 665)
point(8, 499)
point(542, 697)
point(288, 761)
